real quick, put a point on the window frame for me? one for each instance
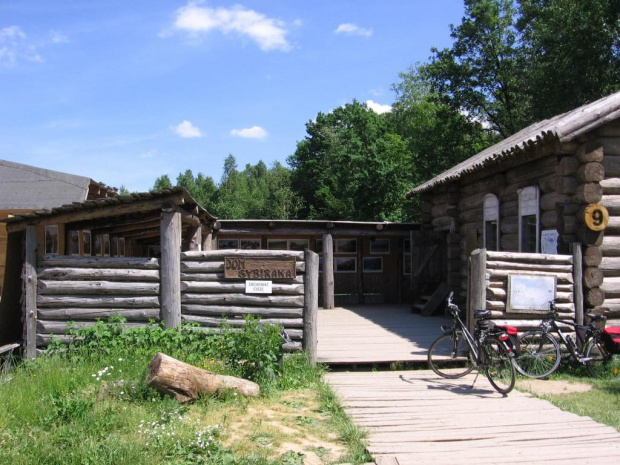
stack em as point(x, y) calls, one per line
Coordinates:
point(366, 259)
point(490, 213)
point(55, 239)
point(529, 205)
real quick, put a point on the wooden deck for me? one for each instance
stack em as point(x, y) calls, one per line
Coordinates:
point(419, 418)
point(374, 334)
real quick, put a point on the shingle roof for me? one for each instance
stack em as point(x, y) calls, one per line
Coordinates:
point(563, 128)
point(24, 187)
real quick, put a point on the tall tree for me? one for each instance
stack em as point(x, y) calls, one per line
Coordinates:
point(351, 166)
point(161, 183)
point(481, 74)
point(571, 50)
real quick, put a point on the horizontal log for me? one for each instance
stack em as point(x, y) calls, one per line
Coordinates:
point(444, 210)
point(205, 287)
point(590, 192)
point(566, 185)
point(590, 172)
point(550, 200)
point(563, 278)
point(613, 226)
point(588, 237)
point(218, 267)
point(567, 224)
point(499, 305)
point(547, 183)
point(130, 314)
point(567, 166)
point(549, 220)
point(509, 209)
point(509, 225)
point(612, 204)
point(237, 323)
point(299, 279)
point(509, 242)
point(106, 274)
point(506, 265)
point(594, 297)
point(521, 323)
point(290, 347)
point(486, 185)
point(472, 201)
point(610, 246)
point(500, 293)
point(592, 255)
point(97, 288)
point(611, 146)
point(79, 301)
point(530, 257)
point(218, 255)
point(43, 340)
point(72, 261)
point(295, 334)
point(610, 266)
point(611, 186)
point(590, 151)
point(222, 310)
point(62, 327)
point(592, 277)
point(531, 171)
point(611, 163)
point(611, 286)
point(244, 300)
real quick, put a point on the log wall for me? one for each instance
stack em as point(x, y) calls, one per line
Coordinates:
point(497, 266)
point(207, 298)
point(85, 289)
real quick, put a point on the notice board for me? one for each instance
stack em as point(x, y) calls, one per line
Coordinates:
point(530, 293)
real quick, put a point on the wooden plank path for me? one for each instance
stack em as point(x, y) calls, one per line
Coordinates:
point(420, 418)
point(367, 334)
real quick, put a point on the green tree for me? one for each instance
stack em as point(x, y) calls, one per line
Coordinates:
point(161, 183)
point(201, 188)
point(481, 75)
point(571, 52)
point(352, 166)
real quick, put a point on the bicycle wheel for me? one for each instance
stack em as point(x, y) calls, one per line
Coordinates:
point(599, 362)
point(498, 365)
point(450, 357)
point(540, 354)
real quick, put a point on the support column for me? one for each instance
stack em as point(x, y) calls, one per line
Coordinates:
point(29, 276)
point(170, 268)
point(195, 238)
point(311, 305)
point(477, 285)
point(578, 281)
point(328, 271)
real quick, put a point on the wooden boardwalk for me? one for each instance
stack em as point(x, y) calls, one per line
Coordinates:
point(420, 418)
point(369, 334)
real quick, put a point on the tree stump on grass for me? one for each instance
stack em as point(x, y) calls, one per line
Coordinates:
point(186, 382)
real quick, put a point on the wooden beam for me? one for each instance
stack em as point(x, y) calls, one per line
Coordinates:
point(127, 220)
point(170, 271)
point(30, 294)
point(311, 305)
point(328, 271)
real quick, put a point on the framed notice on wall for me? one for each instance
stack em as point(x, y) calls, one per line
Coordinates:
point(529, 293)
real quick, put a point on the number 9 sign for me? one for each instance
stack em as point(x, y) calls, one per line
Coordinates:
point(596, 217)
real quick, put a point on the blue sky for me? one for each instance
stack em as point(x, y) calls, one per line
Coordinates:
point(125, 91)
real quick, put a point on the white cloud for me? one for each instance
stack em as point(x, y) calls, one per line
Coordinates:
point(58, 37)
point(255, 132)
point(351, 29)
point(378, 108)
point(15, 45)
point(268, 33)
point(186, 130)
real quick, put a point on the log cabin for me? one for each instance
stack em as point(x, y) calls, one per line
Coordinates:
point(25, 188)
point(551, 189)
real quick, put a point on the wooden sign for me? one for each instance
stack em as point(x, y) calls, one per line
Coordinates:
point(596, 217)
point(259, 268)
point(528, 293)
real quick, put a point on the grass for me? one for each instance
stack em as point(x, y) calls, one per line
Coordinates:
point(92, 406)
point(601, 402)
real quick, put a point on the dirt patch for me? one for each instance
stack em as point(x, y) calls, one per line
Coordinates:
point(547, 386)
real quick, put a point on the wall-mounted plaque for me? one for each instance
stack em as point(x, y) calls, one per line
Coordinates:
point(529, 293)
point(259, 268)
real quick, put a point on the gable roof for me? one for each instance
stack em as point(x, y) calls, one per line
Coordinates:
point(562, 128)
point(24, 187)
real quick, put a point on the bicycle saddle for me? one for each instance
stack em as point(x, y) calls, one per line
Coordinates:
point(595, 317)
point(481, 314)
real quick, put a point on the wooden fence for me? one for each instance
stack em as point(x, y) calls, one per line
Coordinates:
point(488, 285)
point(83, 290)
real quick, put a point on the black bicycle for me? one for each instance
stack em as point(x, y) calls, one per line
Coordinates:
point(541, 353)
point(457, 352)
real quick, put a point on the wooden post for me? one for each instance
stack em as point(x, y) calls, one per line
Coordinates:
point(195, 238)
point(207, 240)
point(30, 295)
point(311, 305)
point(170, 272)
point(578, 281)
point(328, 271)
point(477, 288)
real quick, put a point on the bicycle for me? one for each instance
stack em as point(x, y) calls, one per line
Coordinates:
point(541, 354)
point(457, 352)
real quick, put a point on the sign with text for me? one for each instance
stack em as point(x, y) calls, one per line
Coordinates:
point(258, 287)
point(259, 268)
point(529, 293)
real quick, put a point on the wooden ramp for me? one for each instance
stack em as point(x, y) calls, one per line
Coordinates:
point(419, 418)
point(369, 334)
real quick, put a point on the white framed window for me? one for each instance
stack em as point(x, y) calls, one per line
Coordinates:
point(345, 265)
point(223, 244)
point(372, 265)
point(288, 244)
point(51, 239)
point(277, 244)
point(345, 246)
point(380, 246)
point(407, 257)
point(491, 222)
point(529, 227)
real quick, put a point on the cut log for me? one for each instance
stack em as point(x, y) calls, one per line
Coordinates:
point(186, 382)
point(591, 172)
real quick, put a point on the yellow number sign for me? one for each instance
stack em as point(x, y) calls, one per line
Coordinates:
point(596, 217)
